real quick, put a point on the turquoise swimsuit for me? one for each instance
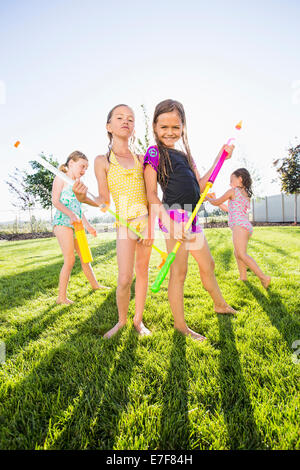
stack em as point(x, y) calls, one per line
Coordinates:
point(68, 198)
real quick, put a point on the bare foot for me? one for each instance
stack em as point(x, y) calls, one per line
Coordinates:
point(141, 329)
point(188, 332)
point(266, 282)
point(242, 279)
point(100, 287)
point(114, 330)
point(64, 301)
point(225, 309)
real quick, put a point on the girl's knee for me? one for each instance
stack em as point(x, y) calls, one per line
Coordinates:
point(178, 275)
point(69, 262)
point(125, 281)
point(141, 269)
point(240, 255)
point(209, 267)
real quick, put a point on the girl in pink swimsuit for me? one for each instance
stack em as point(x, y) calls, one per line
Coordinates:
point(238, 206)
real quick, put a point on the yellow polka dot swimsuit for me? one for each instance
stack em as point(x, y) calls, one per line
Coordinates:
point(128, 191)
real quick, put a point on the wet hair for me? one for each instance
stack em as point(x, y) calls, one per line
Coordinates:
point(75, 156)
point(164, 167)
point(246, 180)
point(109, 134)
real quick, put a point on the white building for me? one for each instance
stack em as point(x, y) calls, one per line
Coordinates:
point(278, 208)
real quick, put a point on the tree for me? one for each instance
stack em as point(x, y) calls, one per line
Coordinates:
point(257, 178)
point(39, 184)
point(216, 212)
point(142, 146)
point(289, 174)
point(21, 196)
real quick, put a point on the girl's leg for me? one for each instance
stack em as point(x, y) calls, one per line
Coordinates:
point(88, 270)
point(200, 251)
point(125, 257)
point(178, 273)
point(143, 254)
point(240, 238)
point(241, 265)
point(65, 239)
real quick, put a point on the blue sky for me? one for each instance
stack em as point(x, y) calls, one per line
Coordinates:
point(66, 63)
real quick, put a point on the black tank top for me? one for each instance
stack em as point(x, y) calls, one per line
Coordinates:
point(182, 188)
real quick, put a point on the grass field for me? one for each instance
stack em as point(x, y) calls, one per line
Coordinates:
point(63, 387)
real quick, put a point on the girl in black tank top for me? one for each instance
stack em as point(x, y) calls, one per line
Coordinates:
point(182, 188)
point(181, 184)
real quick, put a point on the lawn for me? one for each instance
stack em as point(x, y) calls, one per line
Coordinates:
point(63, 386)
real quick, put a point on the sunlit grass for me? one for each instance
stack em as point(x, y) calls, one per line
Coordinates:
point(64, 387)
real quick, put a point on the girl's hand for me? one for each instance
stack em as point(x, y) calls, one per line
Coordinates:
point(190, 236)
point(177, 231)
point(80, 190)
point(211, 200)
point(104, 207)
point(229, 149)
point(91, 230)
point(73, 217)
point(148, 241)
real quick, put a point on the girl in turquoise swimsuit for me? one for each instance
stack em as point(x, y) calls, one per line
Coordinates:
point(68, 211)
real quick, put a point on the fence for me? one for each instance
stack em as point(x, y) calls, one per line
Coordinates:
point(278, 208)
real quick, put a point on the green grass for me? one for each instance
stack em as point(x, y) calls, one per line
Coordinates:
point(64, 387)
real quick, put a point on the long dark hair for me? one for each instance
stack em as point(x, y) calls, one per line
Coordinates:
point(246, 180)
point(109, 134)
point(165, 165)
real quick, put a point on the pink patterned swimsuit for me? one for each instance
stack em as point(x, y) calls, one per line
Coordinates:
point(238, 211)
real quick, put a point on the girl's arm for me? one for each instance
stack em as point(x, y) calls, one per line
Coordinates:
point(155, 203)
point(218, 201)
point(57, 188)
point(223, 207)
point(88, 226)
point(203, 180)
point(101, 167)
point(80, 190)
point(151, 215)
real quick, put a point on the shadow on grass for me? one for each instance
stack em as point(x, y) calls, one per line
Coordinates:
point(56, 257)
point(277, 312)
point(75, 393)
point(214, 242)
point(275, 248)
point(114, 396)
point(224, 257)
point(104, 252)
point(238, 413)
point(174, 422)
point(31, 329)
point(25, 243)
point(30, 283)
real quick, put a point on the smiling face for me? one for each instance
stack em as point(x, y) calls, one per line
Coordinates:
point(168, 128)
point(121, 123)
point(78, 168)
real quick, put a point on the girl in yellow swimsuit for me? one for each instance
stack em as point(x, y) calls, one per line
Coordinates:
point(120, 173)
